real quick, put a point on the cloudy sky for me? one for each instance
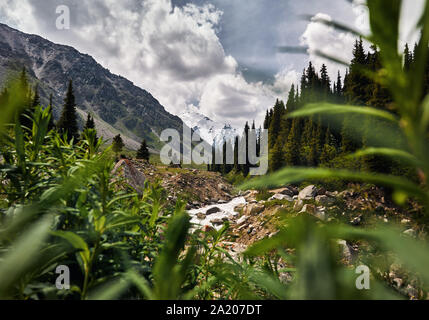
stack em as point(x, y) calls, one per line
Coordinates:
point(217, 55)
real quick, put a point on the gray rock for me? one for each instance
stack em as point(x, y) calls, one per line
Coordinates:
point(299, 204)
point(308, 193)
point(242, 220)
point(254, 209)
point(213, 210)
point(331, 194)
point(288, 192)
point(325, 200)
point(281, 197)
point(217, 222)
point(201, 216)
point(346, 251)
point(308, 208)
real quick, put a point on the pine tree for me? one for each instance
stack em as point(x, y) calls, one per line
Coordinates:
point(236, 150)
point(36, 98)
point(245, 168)
point(277, 156)
point(292, 147)
point(25, 118)
point(329, 151)
point(325, 82)
point(143, 152)
point(267, 120)
point(118, 144)
point(68, 120)
point(51, 124)
point(408, 58)
point(90, 124)
point(291, 100)
point(275, 123)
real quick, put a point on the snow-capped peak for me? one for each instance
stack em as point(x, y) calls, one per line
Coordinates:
point(209, 130)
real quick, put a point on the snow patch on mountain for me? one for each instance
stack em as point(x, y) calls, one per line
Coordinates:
point(209, 130)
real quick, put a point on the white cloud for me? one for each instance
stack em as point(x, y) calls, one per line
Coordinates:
point(323, 38)
point(231, 97)
point(285, 79)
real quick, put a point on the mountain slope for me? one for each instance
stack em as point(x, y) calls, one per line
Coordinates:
point(118, 105)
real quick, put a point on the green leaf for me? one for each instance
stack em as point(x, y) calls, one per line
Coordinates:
point(23, 255)
point(78, 243)
point(111, 290)
point(327, 108)
point(392, 153)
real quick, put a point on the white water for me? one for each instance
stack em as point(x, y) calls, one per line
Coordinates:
point(227, 211)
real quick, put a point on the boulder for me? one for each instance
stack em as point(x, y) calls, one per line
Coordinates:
point(281, 197)
point(314, 211)
point(213, 210)
point(299, 204)
point(251, 195)
point(321, 192)
point(133, 177)
point(331, 194)
point(287, 192)
point(346, 251)
point(201, 216)
point(325, 200)
point(217, 222)
point(308, 208)
point(242, 220)
point(308, 193)
point(222, 187)
point(253, 209)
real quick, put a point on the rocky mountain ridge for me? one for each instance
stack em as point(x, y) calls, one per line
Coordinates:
point(118, 105)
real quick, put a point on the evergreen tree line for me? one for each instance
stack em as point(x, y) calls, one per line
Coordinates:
point(317, 141)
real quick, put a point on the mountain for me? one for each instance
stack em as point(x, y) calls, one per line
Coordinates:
point(116, 103)
point(208, 129)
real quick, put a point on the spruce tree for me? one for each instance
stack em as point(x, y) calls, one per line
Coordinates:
point(292, 147)
point(90, 124)
point(408, 58)
point(36, 98)
point(275, 123)
point(143, 152)
point(291, 100)
point(51, 124)
point(277, 156)
point(25, 118)
point(68, 120)
point(118, 144)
